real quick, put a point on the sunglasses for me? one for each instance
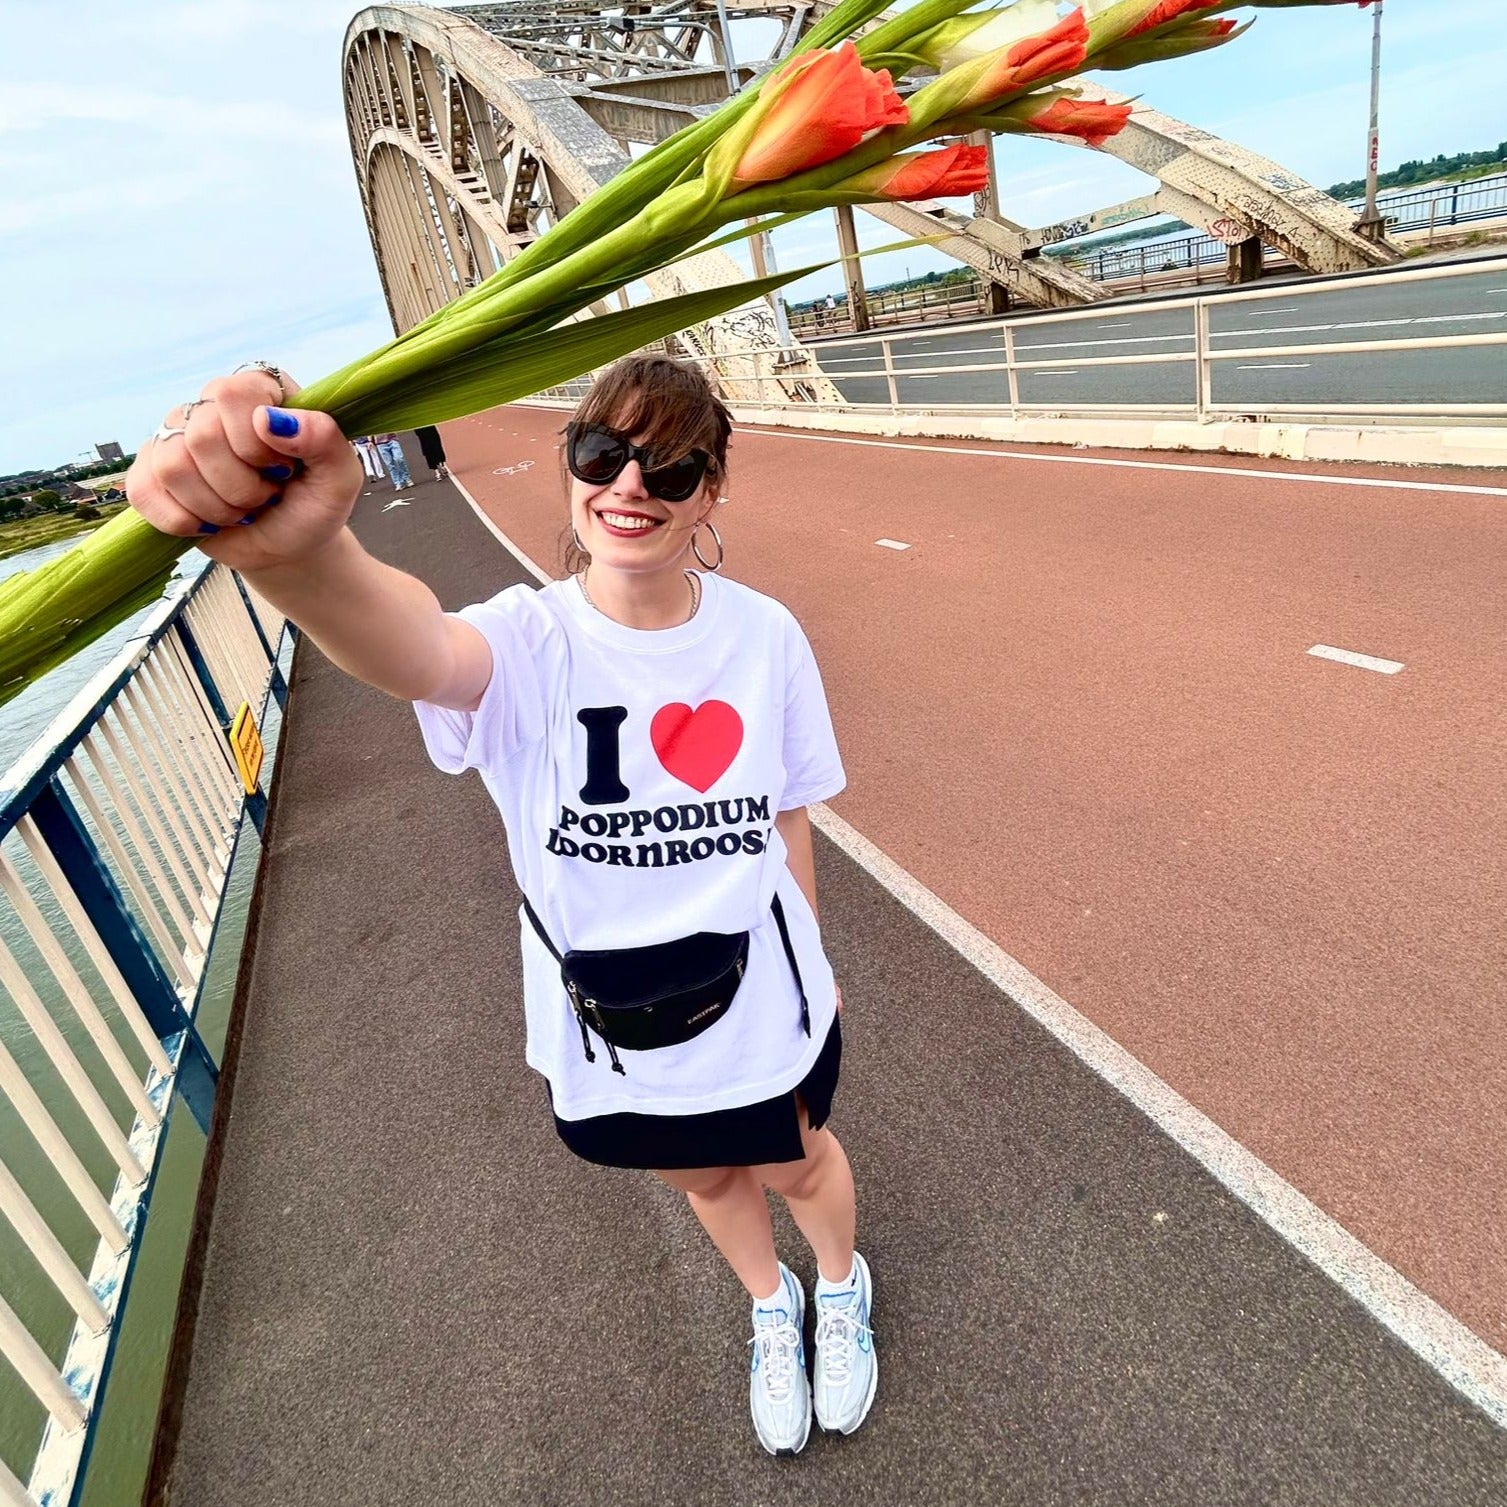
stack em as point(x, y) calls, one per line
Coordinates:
point(597, 454)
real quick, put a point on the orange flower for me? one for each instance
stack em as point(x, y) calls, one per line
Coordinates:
point(1093, 121)
point(1063, 49)
point(1169, 10)
point(1180, 40)
point(973, 87)
point(814, 109)
point(955, 169)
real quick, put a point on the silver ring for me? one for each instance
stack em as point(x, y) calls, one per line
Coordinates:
point(192, 404)
point(272, 371)
point(163, 432)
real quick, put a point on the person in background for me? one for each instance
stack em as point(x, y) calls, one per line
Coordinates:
point(397, 463)
point(370, 460)
point(434, 451)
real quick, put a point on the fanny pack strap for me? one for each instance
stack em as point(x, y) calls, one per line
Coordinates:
point(580, 1019)
point(795, 968)
point(779, 920)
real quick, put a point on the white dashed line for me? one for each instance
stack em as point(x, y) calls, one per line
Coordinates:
point(1277, 366)
point(1360, 661)
point(892, 544)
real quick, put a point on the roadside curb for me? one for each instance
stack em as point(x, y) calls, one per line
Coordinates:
point(1407, 445)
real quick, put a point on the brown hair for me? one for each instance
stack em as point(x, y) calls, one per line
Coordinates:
point(670, 403)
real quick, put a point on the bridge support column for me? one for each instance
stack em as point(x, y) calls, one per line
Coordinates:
point(1247, 261)
point(852, 268)
point(986, 207)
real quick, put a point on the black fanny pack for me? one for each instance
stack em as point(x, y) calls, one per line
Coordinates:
point(640, 998)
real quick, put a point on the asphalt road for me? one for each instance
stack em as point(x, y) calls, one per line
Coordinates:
point(413, 1293)
point(1473, 303)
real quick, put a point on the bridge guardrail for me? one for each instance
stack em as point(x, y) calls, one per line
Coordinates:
point(118, 830)
point(894, 363)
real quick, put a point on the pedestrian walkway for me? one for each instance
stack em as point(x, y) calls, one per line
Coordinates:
point(413, 1293)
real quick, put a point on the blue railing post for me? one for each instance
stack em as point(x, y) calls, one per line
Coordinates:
point(127, 944)
point(201, 669)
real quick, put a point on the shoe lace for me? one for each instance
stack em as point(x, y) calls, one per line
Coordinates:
point(837, 1331)
point(777, 1344)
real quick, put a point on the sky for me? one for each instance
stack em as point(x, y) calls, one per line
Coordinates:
point(177, 192)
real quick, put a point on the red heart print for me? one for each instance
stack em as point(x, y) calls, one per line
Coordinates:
point(697, 746)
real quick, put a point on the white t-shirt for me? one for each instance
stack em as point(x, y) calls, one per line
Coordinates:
point(638, 773)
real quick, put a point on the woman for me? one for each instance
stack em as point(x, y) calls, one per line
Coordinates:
point(651, 737)
point(390, 448)
point(434, 450)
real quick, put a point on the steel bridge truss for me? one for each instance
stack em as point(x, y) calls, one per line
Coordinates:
point(475, 129)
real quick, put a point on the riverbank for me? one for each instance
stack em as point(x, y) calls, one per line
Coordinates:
point(32, 533)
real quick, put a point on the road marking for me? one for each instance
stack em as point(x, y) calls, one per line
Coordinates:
point(1071, 372)
point(1361, 324)
point(1277, 366)
point(982, 350)
point(1076, 345)
point(1360, 661)
point(1434, 1334)
point(1290, 308)
point(892, 544)
point(1147, 465)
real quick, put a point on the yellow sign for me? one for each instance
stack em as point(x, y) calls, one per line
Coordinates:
point(246, 740)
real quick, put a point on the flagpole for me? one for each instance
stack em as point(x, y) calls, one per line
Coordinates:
point(1371, 223)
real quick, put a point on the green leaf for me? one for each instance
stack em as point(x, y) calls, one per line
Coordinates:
point(509, 368)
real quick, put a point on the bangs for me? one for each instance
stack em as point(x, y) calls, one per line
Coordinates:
point(667, 403)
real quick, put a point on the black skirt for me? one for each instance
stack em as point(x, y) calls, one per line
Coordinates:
point(747, 1136)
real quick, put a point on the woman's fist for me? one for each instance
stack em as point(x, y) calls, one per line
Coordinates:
point(252, 484)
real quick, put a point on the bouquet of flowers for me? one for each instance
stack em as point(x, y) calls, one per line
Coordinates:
point(826, 127)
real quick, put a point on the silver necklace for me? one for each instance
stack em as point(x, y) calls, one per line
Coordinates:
point(691, 575)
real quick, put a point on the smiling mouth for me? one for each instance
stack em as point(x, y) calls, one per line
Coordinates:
point(627, 523)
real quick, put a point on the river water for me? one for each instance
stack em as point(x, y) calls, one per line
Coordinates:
point(118, 1466)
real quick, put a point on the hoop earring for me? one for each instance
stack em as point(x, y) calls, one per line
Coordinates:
point(574, 535)
point(696, 548)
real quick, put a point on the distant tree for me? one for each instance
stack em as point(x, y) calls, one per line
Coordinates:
point(86, 510)
point(32, 509)
point(45, 497)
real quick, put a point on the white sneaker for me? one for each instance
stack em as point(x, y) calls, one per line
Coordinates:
point(779, 1391)
point(847, 1371)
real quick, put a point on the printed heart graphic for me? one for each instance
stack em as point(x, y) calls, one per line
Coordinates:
point(697, 746)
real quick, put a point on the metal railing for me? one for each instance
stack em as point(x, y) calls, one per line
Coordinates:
point(897, 306)
point(1012, 355)
point(117, 833)
point(1430, 209)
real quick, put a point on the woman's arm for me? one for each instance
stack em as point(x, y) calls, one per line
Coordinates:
point(795, 827)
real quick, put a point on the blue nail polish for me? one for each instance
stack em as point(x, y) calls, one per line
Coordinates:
point(249, 518)
point(276, 497)
point(282, 423)
point(277, 473)
point(209, 528)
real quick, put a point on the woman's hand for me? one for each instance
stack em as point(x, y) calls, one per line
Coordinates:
point(254, 486)
point(838, 987)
